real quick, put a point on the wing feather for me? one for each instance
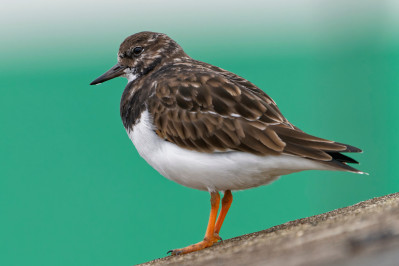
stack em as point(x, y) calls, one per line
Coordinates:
point(211, 110)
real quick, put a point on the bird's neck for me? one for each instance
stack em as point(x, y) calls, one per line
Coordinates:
point(133, 102)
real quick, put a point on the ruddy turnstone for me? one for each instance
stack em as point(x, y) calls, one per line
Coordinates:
point(209, 129)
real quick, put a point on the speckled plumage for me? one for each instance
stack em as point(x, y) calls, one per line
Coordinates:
point(202, 107)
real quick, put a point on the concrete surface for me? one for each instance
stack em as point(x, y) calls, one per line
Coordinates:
point(364, 234)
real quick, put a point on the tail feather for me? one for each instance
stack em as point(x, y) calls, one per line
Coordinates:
point(340, 160)
point(327, 152)
point(349, 148)
point(343, 166)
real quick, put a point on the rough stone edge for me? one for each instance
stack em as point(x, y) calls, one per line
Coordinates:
point(312, 220)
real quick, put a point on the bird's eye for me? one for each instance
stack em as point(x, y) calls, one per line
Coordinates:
point(137, 50)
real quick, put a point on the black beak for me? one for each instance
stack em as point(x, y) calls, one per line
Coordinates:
point(115, 71)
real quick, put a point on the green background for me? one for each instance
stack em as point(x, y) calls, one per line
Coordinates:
point(74, 191)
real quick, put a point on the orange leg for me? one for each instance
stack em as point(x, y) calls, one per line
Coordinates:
point(209, 238)
point(226, 203)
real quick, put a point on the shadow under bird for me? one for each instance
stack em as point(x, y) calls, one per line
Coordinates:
point(209, 129)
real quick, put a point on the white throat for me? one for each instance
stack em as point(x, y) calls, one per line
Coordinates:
point(130, 74)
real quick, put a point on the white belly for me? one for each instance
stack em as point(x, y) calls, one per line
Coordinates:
point(217, 171)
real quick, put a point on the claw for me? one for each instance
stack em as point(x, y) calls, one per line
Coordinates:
point(217, 237)
point(174, 252)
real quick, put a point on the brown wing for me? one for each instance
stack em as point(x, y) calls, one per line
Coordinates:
point(215, 111)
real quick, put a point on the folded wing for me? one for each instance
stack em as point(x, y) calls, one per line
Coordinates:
point(218, 111)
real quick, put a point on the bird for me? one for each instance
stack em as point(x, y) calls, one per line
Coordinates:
point(209, 129)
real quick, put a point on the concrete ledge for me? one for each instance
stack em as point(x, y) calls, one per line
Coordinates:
point(364, 234)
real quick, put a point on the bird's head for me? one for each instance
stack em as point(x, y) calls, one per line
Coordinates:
point(141, 53)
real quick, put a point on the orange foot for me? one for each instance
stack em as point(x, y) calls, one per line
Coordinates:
point(213, 229)
point(200, 245)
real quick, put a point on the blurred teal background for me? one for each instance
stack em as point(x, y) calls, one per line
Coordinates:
point(73, 190)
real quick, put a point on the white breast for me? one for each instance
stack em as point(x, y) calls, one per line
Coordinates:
point(218, 171)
